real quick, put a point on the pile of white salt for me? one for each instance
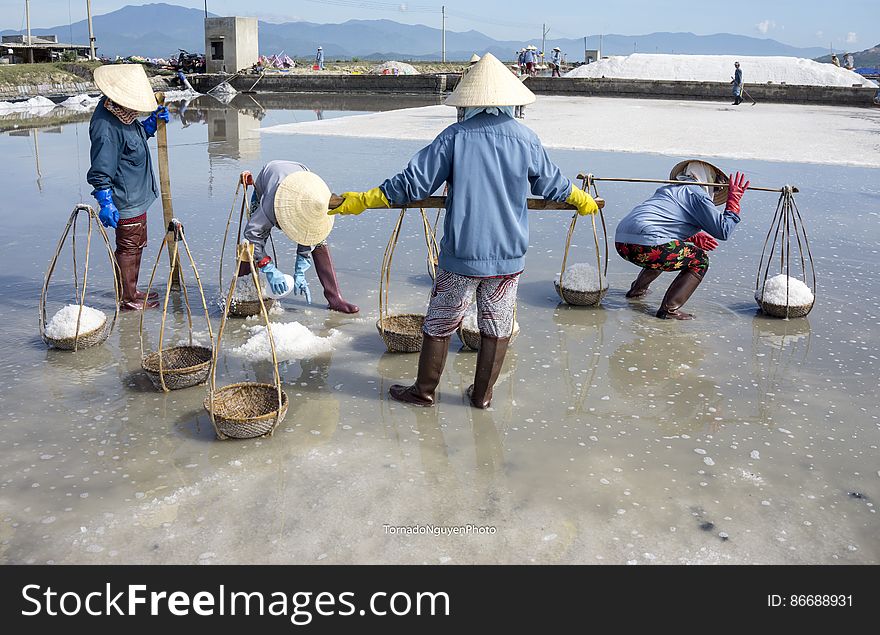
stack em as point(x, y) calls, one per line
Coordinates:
point(63, 323)
point(292, 341)
point(799, 294)
point(583, 277)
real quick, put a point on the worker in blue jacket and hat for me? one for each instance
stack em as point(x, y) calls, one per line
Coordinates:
point(491, 164)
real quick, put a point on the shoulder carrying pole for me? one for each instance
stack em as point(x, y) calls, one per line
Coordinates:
point(165, 187)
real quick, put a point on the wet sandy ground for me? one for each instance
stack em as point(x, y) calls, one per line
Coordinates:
point(614, 437)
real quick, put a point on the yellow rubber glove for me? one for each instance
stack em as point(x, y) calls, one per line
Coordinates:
point(583, 201)
point(357, 202)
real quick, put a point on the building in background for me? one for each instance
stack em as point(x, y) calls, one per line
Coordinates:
point(45, 48)
point(231, 44)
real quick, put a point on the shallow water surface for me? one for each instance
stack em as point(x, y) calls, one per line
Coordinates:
point(613, 438)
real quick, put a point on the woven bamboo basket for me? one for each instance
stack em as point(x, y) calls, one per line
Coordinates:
point(586, 298)
point(471, 339)
point(180, 366)
point(579, 298)
point(402, 332)
point(245, 410)
point(782, 311)
point(249, 308)
point(787, 234)
point(94, 337)
point(243, 308)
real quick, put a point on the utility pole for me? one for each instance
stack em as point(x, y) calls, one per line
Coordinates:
point(206, 9)
point(91, 30)
point(585, 49)
point(544, 31)
point(27, 14)
point(443, 43)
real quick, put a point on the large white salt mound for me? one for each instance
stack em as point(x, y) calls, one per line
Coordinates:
point(63, 323)
point(292, 341)
point(583, 277)
point(34, 104)
point(799, 294)
point(402, 68)
point(719, 68)
point(81, 102)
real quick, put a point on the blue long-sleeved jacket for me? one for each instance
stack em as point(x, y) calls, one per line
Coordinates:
point(675, 212)
point(738, 77)
point(529, 56)
point(492, 163)
point(120, 161)
point(556, 57)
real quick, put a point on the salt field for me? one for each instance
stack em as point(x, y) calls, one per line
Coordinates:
point(614, 437)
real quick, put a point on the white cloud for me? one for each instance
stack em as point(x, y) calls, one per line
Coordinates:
point(820, 33)
point(765, 25)
point(851, 38)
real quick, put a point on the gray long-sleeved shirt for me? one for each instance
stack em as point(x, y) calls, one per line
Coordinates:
point(120, 162)
point(675, 212)
point(262, 219)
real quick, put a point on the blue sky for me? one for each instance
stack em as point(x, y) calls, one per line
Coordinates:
point(852, 24)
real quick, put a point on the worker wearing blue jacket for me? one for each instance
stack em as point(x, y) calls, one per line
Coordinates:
point(491, 164)
point(121, 171)
point(676, 228)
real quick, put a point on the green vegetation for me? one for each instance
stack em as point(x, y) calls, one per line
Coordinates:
point(12, 75)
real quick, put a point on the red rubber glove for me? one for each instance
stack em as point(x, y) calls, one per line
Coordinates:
point(735, 191)
point(704, 241)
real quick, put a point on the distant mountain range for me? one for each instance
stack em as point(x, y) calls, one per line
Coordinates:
point(158, 30)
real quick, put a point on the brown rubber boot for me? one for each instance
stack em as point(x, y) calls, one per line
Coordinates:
point(131, 238)
point(432, 359)
point(678, 293)
point(327, 276)
point(490, 358)
point(640, 285)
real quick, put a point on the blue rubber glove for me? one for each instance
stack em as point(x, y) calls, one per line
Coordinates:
point(275, 278)
point(152, 122)
point(108, 214)
point(300, 284)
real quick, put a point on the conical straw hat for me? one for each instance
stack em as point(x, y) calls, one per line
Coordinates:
point(301, 203)
point(126, 85)
point(475, 58)
point(490, 83)
point(720, 197)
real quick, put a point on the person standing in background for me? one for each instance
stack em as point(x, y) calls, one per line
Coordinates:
point(835, 60)
point(556, 62)
point(737, 84)
point(319, 58)
point(849, 62)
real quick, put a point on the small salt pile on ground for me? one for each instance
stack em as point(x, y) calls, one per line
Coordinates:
point(80, 103)
point(799, 294)
point(292, 341)
point(63, 323)
point(394, 68)
point(583, 277)
point(719, 68)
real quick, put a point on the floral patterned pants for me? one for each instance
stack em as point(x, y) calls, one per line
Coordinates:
point(671, 256)
point(452, 296)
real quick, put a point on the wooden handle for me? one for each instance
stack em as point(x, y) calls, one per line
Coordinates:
point(439, 202)
point(670, 182)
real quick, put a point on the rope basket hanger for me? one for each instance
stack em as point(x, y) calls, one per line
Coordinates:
point(787, 222)
point(245, 410)
point(586, 298)
point(178, 366)
point(243, 308)
point(99, 334)
point(402, 332)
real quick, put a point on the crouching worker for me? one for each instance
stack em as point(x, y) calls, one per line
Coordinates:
point(675, 228)
point(491, 163)
point(121, 170)
point(288, 196)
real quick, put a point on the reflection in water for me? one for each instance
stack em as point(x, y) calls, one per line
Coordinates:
point(779, 349)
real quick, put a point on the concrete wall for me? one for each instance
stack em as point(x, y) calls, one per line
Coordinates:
point(586, 87)
point(783, 93)
point(240, 43)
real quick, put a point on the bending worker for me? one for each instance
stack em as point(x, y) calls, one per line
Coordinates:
point(121, 170)
point(675, 228)
point(491, 163)
point(283, 190)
